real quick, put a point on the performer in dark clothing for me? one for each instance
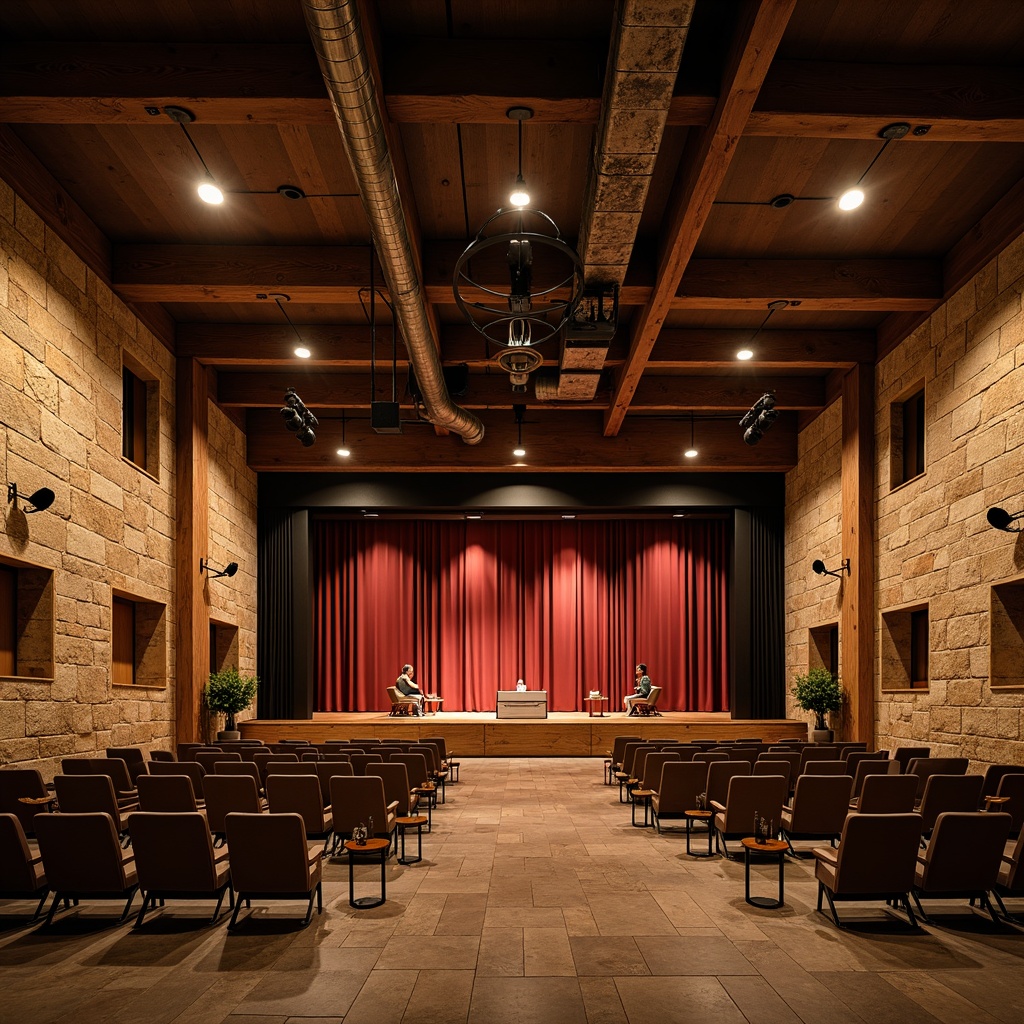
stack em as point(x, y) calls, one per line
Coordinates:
point(408, 688)
point(642, 688)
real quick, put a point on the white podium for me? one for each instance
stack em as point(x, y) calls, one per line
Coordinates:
point(521, 704)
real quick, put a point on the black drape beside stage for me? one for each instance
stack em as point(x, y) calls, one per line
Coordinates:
point(767, 614)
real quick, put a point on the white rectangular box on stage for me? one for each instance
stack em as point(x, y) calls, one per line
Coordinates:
point(521, 704)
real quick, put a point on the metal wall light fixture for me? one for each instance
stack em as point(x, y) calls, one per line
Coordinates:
point(298, 419)
point(761, 416)
point(1003, 520)
point(819, 568)
point(37, 501)
point(213, 572)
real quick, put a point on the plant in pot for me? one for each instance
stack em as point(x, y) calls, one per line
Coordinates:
point(819, 691)
point(228, 692)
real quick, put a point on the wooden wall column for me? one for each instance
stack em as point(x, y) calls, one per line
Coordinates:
point(858, 605)
point(192, 653)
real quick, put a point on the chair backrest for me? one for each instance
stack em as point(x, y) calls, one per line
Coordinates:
point(965, 851)
point(268, 853)
point(710, 756)
point(825, 768)
point(629, 753)
point(439, 742)
point(325, 770)
point(792, 757)
point(360, 761)
point(396, 697)
point(949, 793)
point(821, 804)
point(904, 755)
point(654, 696)
point(186, 750)
point(208, 758)
point(783, 768)
point(887, 794)
point(748, 794)
point(310, 755)
point(166, 793)
point(85, 794)
point(16, 783)
point(192, 769)
point(720, 773)
point(173, 851)
point(740, 753)
point(298, 794)
point(878, 852)
point(925, 767)
point(133, 758)
point(416, 765)
point(429, 751)
point(81, 850)
point(291, 768)
point(395, 777)
point(262, 760)
point(227, 793)
point(16, 872)
point(816, 752)
point(681, 783)
point(236, 768)
point(869, 767)
point(1013, 787)
point(337, 755)
point(653, 763)
point(355, 800)
point(250, 753)
point(161, 755)
point(994, 775)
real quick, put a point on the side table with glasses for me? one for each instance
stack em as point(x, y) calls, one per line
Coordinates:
point(768, 848)
point(378, 848)
point(708, 818)
point(595, 705)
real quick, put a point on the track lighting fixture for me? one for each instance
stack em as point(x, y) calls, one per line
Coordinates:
point(519, 451)
point(344, 451)
point(819, 567)
point(298, 419)
point(37, 501)
point(691, 452)
point(761, 416)
point(1002, 520)
point(213, 573)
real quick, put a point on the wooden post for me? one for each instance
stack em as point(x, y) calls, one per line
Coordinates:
point(192, 654)
point(858, 605)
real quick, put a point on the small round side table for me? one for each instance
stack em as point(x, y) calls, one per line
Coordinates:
point(377, 847)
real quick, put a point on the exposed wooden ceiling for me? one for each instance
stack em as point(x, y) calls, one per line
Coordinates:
point(769, 97)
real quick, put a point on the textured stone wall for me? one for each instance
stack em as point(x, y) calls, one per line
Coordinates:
point(933, 544)
point(111, 529)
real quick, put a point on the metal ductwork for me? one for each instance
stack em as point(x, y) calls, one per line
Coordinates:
point(338, 40)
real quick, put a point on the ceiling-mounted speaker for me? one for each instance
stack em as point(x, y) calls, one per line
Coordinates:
point(384, 418)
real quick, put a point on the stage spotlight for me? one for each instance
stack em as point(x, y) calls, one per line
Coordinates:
point(759, 418)
point(298, 419)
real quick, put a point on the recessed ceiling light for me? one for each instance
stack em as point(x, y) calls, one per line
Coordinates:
point(850, 199)
point(519, 453)
point(302, 352)
point(344, 453)
point(210, 193)
point(744, 354)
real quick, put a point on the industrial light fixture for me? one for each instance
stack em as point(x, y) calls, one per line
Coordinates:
point(819, 567)
point(298, 419)
point(213, 573)
point(344, 450)
point(747, 352)
point(691, 452)
point(37, 501)
point(473, 515)
point(761, 416)
point(523, 314)
point(301, 350)
point(519, 451)
point(1003, 520)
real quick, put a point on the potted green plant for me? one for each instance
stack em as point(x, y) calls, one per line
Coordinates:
point(228, 692)
point(820, 692)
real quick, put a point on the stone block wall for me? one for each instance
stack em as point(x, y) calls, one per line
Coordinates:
point(111, 529)
point(933, 544)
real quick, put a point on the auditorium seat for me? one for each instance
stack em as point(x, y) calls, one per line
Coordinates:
point(925, 767)
point(16, 783)
point(300, 794)
point(193, 769)
point(228, 793)
point(748, 796)
point(681, 783)
point(325, 771)
point(88, 794)
point(1010, 882)
point(167, 793)
point(397, 790)
point(134, 759)
point(948, 793)
point(22, 876)
point(357, 799)
point(886, 794)
point(208, 758)
point(818, 809)
point(869, 767)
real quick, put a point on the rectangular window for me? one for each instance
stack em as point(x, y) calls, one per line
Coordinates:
point(123, 643)
point(913, 436)
point(904, 650)
point(133, 418)
point(1006, 635)
point(919, 649)
point(138, 642)
point(26, 621)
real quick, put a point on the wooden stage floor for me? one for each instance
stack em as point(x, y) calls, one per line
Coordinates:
point(561, 734)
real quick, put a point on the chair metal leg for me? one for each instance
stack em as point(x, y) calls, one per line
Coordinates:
point(53, 910)
point(910, 911)
point(319, 897)
point(39, 909)
point(128, 905)
point(832, 907)
point(216, 909)
point(309, 912)
point(986, 904)
point(234, 913)
point(920, 909)
point(821, 889)
point(999, 900)
point(142, 910)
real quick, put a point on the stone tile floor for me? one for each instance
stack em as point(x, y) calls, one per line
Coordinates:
point(536, 902)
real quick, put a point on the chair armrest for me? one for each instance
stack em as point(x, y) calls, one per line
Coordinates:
point(717, 806)
point(788, 808)
point(220, 854)
point(392, 807)
point(826, 854)
point(1007, 859)
point(313, 855)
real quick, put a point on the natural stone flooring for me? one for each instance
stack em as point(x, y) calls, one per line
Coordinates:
point(536, 902)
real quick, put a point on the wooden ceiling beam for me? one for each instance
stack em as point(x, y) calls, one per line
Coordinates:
point(554, 442)
point(321, 390)
point(337, 274)
point(759, 33)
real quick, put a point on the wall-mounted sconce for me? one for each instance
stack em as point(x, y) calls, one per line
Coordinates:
point(819, 567)
point(214, 573)
point(37, 501)
point(1002, 520)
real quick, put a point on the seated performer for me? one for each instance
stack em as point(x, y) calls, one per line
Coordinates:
point(642, 687)
point(408, 688)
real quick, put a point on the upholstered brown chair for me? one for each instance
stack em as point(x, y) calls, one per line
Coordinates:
point(228, 793)
point(854, 758)
point(114, 768)
point(886, 794)
point(360, 761)
point(16, 783)
point(818, 809)
point(626, 778)
point(774, 768)
point(300, 794)
point(21, 873)
point(904, 755)
point(192, 769)
point(133, 757)
point(271, 861)
point(925, 767)
point(187, 750)
point(401, 704)
point(816, 752)
point(994, 775)
point(720, 774)
point(1012, 786)
point(791, 757)
point(962, 860)
point(262, 760)
point(83, 857)
point(291, 768)
point(250, 753)
point(710, 756)
point(619, 748)
point(160, 755)
point(873, 766)
point(325, 771)
point(948, 793)
point(397, 790)
point(419, 775)
point(681, 783)
point(208, 758)
point(356, 800)
point(175, 860)
point(166, 794)
point(1010, 881)
point(647, 705)
point(747, 795)
point(86, 794)
point(875, 861)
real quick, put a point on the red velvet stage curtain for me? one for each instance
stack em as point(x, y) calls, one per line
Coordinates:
point(567, 606)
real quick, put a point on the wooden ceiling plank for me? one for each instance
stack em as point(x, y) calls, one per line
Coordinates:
point(745, 69)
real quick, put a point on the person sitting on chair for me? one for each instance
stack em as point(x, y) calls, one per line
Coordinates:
point(408, 688)
point(642, 687)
